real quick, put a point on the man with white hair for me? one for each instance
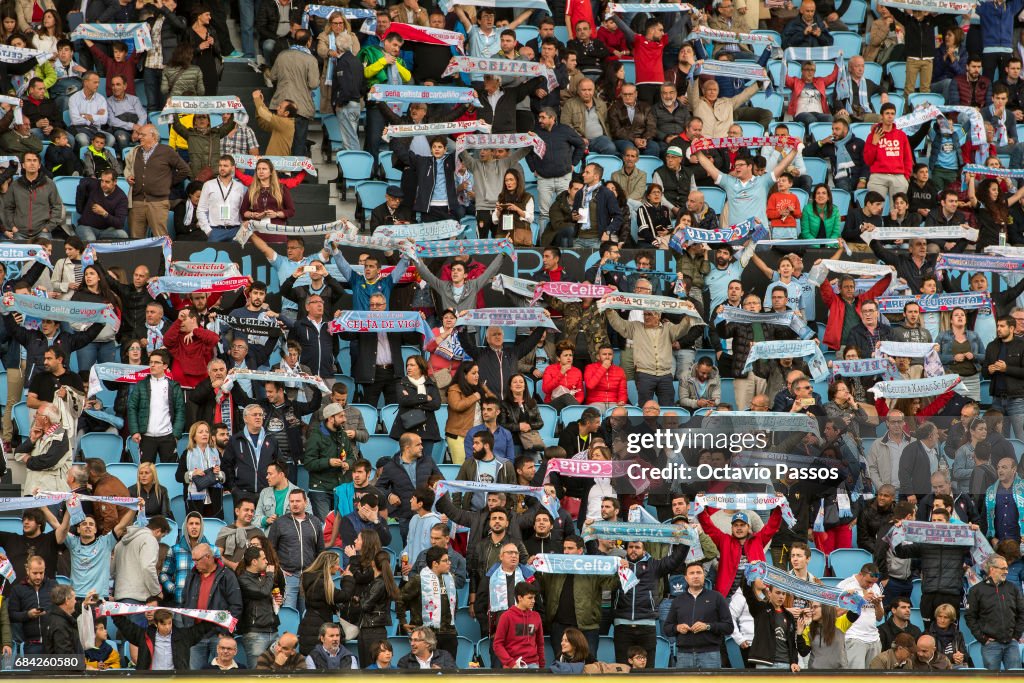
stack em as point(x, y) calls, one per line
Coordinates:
point(995, 615)
point(857, 105)
point(46, 453)
point(248, 453)
point(496, 361)
point(152, 169)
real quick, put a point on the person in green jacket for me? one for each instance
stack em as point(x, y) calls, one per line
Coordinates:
point(203, 143)
point(139, 408)
point(820, 219)
point(381, 65)
point(326, 456)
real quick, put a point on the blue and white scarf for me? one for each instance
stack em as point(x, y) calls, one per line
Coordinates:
point(642, 7)
point(350, 237)
point(738, 421)
point(648, 532)
point(381, 321)
point(138, 33)
point(186, 284)
point(501, 141)
point(808, 349)
point(498, 585)
point(550, 503)
point(119, 373)
point(926, 350)
point(866, 367)
point(265, 226)
point(507, 317)
point(201, 459)
point(58, 309)
point(585, 565)
point(978, 262)
point(224, 104)
point(430, 596)
point(936, 303)
point(732, 314)
point(94, 248)
point(768, 244)
point(421, 232)
point(940, 533)
point(350, 13)
point(743, 501)
point(461, 247)
point(978, 170)
point(244, 374)
point(950, 232)
point(23, 252)
point(915, 388)
point(625, 268)
point(819, 272)
point(827, 595)
point(650, 302)
point(750, 228)
point(744, 71)
point(514, 285)
point(518, 5)
point(719, 36)
point(411, 94)
point(16, 55)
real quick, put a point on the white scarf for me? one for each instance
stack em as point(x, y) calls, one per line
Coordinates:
point(420, 384)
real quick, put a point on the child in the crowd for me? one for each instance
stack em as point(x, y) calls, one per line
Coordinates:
point(98, 158)
point(783, 205)
point(636, 657)
point(103, 656)
point(60, 156)
point(121, 65)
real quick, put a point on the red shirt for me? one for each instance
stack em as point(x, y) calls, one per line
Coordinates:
point(648, 54)
point(205, 586)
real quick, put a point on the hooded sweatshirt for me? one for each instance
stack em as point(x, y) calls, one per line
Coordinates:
point(520, 634)
point(135, 570)
point(178, 562)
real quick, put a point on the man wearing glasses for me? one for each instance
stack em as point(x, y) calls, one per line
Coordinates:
point(995, 615)
point(884, 456)
point(227, 648)
point(212, 586)
point(248, 454)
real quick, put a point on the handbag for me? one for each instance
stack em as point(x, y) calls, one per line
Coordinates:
point(531, 441)
point(571, 505)
point(442, 378)
point(412, 419)
point(348, 629)
point(206, 480)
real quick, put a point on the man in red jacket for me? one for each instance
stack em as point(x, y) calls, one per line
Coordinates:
point(847, 302)
point(888, 155)
point(519, 638)
point(191, 347)
point(740, 547)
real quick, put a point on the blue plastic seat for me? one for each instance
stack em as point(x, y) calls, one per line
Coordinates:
point(369, 195)
point(354, 166)
point(848, 561)
point(848, 41)
point(388, 414)
point(608, 162)
point(898, 74)
point(103, 445)
point(648, 165)
point(714, 197)
point(817, 169)
point(128, 473)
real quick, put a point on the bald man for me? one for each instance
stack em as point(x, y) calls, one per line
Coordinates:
point(152, 169)
point(283, 656)
point(857, 107)
point(928, 656)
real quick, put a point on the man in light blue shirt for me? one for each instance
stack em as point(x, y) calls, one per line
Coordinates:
point(483, 39)
point(746, 194)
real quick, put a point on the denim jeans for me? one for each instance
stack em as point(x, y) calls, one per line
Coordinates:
point(292, 598)
point(684, 363)
point(1006, 654)
point(203, 652)
point(602, 144)
point(83, 136)
point(807, 118)
point(374, 129)
point(1013, 408)
point(1016, 152)
point(221, 234)
point(654, 386)
point(348, 119)
point(89, 234)
point(256, 644)
point(321, 503)
point(547, 191)
point(246, 19)
point(652, 149)
point(61, 92)
point(699, 660)
point(154, 99)
point(123, 138)
point(97, 352)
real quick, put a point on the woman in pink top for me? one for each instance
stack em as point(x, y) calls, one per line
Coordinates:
point(445, 351)
point(563, 376)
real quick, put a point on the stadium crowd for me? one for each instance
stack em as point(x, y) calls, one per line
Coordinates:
point(218, 472)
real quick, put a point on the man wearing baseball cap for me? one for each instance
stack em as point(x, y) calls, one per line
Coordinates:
point(739, 548)
point(327, 457)
point(674, 179)
point(392, 211)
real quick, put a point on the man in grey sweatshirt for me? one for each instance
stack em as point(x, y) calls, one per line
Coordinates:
point(459, 294)
point(488, 180)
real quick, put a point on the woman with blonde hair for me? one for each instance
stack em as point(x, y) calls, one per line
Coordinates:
point(336, 38)
point(148, 488)
point(321, 596)
point(200, 473)
point(268, 198)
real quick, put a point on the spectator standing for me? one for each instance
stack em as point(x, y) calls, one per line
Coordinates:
point(151, 169)
point(296, 74)
point(995, 615)
point(156, 412)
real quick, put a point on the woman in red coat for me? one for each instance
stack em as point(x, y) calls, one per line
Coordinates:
point(563, 384)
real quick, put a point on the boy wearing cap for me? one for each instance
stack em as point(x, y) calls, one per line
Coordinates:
point(392, 211)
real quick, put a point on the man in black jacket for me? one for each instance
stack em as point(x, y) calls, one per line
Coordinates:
point(216, 587)
point(102, 208)
point(995, 615)
point(848, 168)
point(49, 334)
point(423, 648)
point(636, 606)
point(496, 361)
point(596, 212)
point(248, 453)
point(42, 112)
point(60, 626)
point(395, 482)
point(897, 623)
point(498, 104)
point(873, 516)
point(565, 149)
point(392, 211)
point(775, 629)
point(29, 604)
point(1004, 365)
point(700, 621)
point(942, 570)
point(915, 464)
point(960, 506)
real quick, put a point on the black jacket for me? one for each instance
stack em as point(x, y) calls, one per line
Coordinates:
point(995, 612)
point(963, 506)
point(182, 640)
point(1013, 378)
point(565, 149)
point(24, 597)
point(409, 398)
point(258, 614)
point(394, 479)
point(266, 20)
point(347, 81)
point(35, 342)
point(855, 148)
point(608, 215)
point(225, 594)
point(915, 472)
point(425, 170)
point(888, 632)
point(762, 649)
point(942, 566)
point(710, 607)
point(363, 365)
point(319, 348)
point(503, 116)
point(247, 472)
point(497, 367)
point(442, 659)
point(641, 602)
point(375, 605)
point(869, 520)
point(60, 633)
point(318, 609)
